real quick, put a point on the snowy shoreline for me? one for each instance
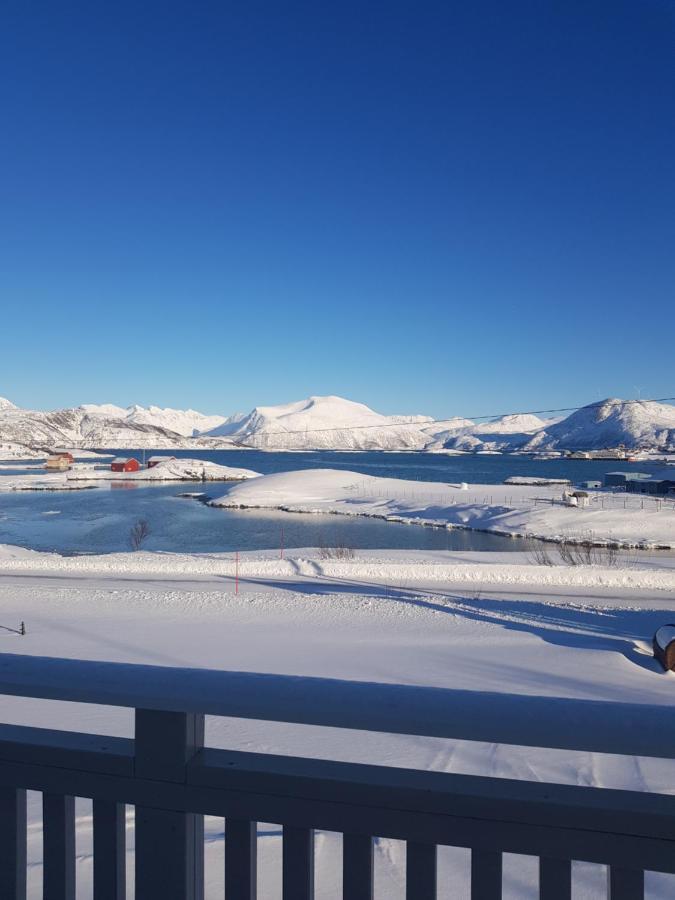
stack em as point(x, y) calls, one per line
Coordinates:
point(506, 510)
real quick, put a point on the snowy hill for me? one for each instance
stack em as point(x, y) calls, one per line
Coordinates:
point(104, 425)
point(326, 423)
point(597, 426)
point(513, 424)
point(612, 422)
point(187, 422)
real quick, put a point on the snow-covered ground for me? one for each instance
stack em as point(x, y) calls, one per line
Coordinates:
point(168, 470)
point(383, 617)
point(12, 450)
point(510, 509)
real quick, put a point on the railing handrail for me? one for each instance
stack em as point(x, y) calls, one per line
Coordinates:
point(534, 721)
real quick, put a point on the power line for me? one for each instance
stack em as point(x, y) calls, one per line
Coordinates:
point(429, 422)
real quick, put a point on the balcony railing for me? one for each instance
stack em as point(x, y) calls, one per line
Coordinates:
point(173, 781)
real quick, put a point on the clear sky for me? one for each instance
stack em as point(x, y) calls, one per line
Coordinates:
point(453, 207)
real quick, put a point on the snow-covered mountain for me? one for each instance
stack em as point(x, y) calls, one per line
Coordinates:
point(597, 426)
point(104, 425)
point(633, 423)
point(333, 423)
point(187, 422)
point(521, 423)
point(326, 423)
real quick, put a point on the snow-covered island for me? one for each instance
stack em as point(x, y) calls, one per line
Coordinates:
point(513, 509)
point(169, 469)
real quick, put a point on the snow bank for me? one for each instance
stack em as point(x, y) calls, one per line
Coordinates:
point(514, 510)
point(389, 567)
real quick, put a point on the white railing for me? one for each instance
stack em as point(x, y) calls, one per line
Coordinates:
point(172, 780)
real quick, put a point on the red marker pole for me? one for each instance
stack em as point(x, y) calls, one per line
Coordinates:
point(236, 572)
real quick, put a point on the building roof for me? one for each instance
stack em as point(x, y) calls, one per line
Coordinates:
point(120, 459)
point(159, 458)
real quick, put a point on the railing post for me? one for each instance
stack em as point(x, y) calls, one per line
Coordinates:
point(169, 843)
point(420, 871)
point(625, 884)
point(297, 863)
point(109, 850)
point(357, 867)
point(555, 879)
point(13, 843)
point(58, 836)
point(486, 875)
point(241, 854)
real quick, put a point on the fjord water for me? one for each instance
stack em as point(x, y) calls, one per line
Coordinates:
point(472, 467)
point(99, 520)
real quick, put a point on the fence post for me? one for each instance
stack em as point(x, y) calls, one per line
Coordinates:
point(169, 844)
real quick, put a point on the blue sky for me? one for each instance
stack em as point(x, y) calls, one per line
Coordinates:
point(429, 207)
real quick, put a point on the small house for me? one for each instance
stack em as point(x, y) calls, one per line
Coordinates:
point(581, 497)
point(664, 646)
point(154, 460)
point(66, 454)
point(591, 485)
point(57, 462)
point(124, 464)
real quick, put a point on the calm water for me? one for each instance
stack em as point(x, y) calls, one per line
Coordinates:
point(415, 466)
point(98, 521)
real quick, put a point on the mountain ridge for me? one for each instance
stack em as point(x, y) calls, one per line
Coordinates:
point(335, 423)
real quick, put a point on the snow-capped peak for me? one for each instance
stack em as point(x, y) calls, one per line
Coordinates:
point(328, 422)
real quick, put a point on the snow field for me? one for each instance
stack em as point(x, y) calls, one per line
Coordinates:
point(516, 510)
point(560, 643)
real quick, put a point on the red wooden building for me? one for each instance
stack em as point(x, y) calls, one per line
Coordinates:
point(66, 454)
point(124, 464)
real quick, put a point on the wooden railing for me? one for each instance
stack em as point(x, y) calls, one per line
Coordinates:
point(172, 780)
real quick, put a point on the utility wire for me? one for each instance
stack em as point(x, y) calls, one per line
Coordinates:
point(429, 422)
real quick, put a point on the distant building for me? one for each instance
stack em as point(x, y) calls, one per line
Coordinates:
point(154, 460)
point(66, 454)
point(58, 462)
point(124, 464)
point(591, 485)
point(619, 479)
point(660, 486)
point(607, 453)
